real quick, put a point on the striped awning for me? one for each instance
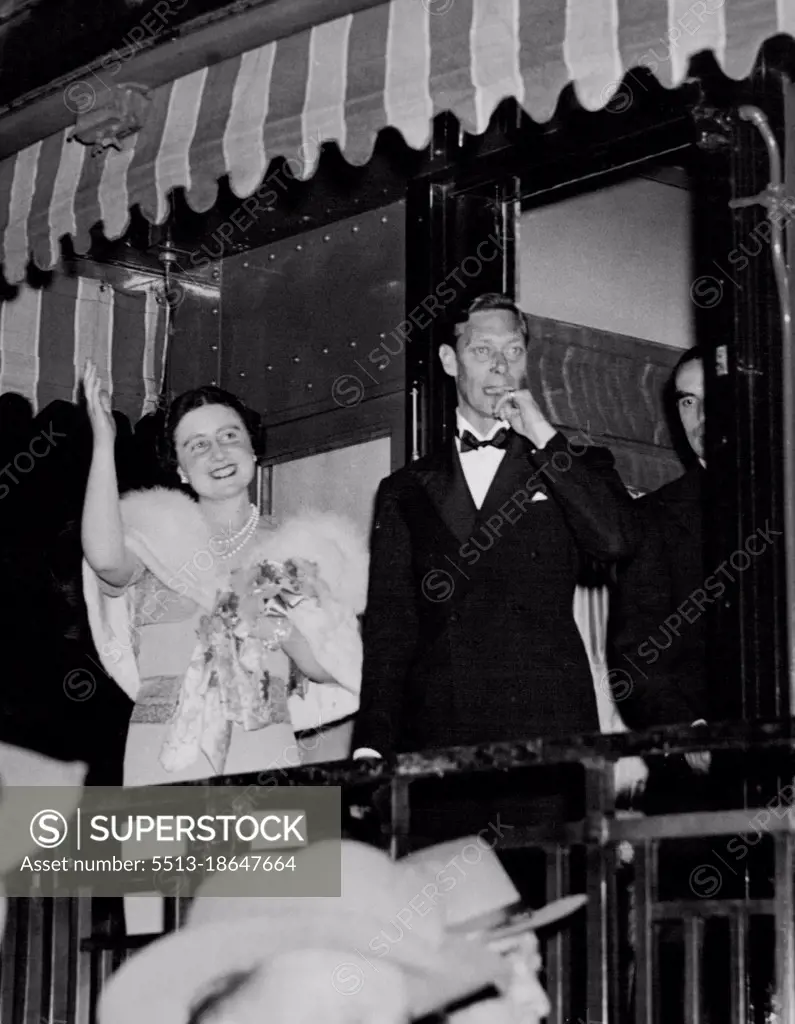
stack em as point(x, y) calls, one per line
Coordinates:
point(397, 64)
point(46, 335)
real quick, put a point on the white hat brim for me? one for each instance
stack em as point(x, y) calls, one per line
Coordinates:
point(160, 983)
point(532, 921)
point(527, 921)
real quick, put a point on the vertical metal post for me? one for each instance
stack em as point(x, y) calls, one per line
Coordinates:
point(85, 960)
point(12, 953)
point(738, 935)
point(426, 258)
point(599, 805)
point(31, 965)
point(400, 818)
point(64, 956)
point(694, 942)
point(415, 423)
point(614, 975)
point(644, 953)
point(785, 927)
point(788, 388)
point(558, 949)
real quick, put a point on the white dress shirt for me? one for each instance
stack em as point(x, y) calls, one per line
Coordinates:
point(479, 465)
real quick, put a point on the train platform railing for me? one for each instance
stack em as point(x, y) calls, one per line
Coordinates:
point(58, 953)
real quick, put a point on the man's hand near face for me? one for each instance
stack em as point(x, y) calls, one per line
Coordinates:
point(524, 414)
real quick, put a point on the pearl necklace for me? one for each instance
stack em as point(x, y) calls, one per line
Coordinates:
point(237, 541)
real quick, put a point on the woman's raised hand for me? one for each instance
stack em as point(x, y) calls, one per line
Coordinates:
point(99, 408)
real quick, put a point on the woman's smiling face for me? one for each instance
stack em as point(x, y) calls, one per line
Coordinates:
point(214, 451)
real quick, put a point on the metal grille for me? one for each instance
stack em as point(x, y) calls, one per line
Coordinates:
point(611, 967)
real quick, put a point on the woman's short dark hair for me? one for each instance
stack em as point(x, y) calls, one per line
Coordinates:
point(208, 394)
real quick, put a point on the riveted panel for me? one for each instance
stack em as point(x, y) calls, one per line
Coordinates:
point(196, 344)
point(310, 324)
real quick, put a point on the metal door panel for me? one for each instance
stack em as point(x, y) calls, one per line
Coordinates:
point(309, 323)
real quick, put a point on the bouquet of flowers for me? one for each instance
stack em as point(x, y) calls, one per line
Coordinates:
point(238, 674)
point(249, 622)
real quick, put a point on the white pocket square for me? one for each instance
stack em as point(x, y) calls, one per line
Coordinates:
point(539, 496)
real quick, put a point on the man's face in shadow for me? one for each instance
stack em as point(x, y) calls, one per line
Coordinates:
point(690, 403)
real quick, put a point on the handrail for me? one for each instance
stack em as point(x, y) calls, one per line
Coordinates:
point(700, 823)
point(602, 832)
point(588, 748)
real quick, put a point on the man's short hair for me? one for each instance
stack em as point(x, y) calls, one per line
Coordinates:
point(691, 355)
point(487, 303)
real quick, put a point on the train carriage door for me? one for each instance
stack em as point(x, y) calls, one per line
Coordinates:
point(314, 332)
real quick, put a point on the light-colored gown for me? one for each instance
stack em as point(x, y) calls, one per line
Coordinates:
point(197, 648)
point(167, 641)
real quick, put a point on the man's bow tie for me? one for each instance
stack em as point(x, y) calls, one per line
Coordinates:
point(469, 443)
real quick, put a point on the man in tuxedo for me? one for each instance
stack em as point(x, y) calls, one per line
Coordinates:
point(469, 635)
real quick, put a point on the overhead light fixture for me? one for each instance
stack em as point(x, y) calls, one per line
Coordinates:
point(105, 124)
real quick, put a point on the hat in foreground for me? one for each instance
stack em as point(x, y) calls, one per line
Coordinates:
point(477, 894)
point(266, 940)
point(22, 774)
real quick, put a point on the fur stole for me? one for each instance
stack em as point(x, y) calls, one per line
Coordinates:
point(166, 530)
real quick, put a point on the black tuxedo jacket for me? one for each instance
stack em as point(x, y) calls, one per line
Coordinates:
point(468, 633)
point(658, 667)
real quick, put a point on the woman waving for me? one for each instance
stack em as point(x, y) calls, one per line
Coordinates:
point(228, 632)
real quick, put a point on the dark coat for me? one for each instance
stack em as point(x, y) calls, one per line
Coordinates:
point(468, 634)
point(657, 653)
point(657, 629)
